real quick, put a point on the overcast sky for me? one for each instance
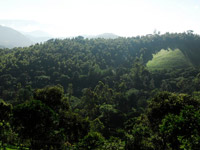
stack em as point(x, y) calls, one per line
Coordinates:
point(89, 17)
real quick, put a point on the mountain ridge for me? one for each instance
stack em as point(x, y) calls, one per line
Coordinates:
point(11, 38)
point(103, 35)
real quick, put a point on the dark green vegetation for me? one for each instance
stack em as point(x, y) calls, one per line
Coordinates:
point(99, 94)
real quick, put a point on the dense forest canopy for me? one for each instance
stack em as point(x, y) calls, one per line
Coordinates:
point(100, 94)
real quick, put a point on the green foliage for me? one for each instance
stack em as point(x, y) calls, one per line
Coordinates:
point(97, 126)
point(102, 87)
point(34, 120)
point(24, 94)
point(92, 141)
point(182, 131)
point(51, 96)
point(73, 126)
point(168, 59)
point(7, 135)
point(110, 118)
point(84, 63)
point(171, 121)
point(140, 136)
point(164, 103)
point(5, 110)
point(114, 144)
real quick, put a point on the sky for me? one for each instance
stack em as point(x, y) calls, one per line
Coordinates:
point(64, 18)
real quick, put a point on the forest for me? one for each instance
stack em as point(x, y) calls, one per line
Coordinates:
point(102, 94)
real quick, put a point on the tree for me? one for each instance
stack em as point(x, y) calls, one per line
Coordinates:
point(182, 131)
point(5, 110)
point(51, 96)
point(92, 141)
point(164, 103)
point(35, 121)
point(73, 126)
point(110, 118)
point(139, 137)
point(6, 133)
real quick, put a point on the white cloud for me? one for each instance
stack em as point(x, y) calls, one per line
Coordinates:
point(196, 7)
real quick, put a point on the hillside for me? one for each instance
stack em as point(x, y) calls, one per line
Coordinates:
point(36, 39)
point(104, 36)
point(107, 36)
point(78, 89)
point(84, 62)
point(168, 59)
point(38, 36)
point(11, 38)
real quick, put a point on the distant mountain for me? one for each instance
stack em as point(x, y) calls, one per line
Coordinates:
point(38, 33)
point(10, 38)
point(21, 25)
point(38, 36)
point(2, 46)
point(107, 36)
point(104, 36)
point(38, 39)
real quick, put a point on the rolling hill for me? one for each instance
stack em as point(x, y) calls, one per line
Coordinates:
point(168, 59)
point(10, 38)
point(102, 36)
